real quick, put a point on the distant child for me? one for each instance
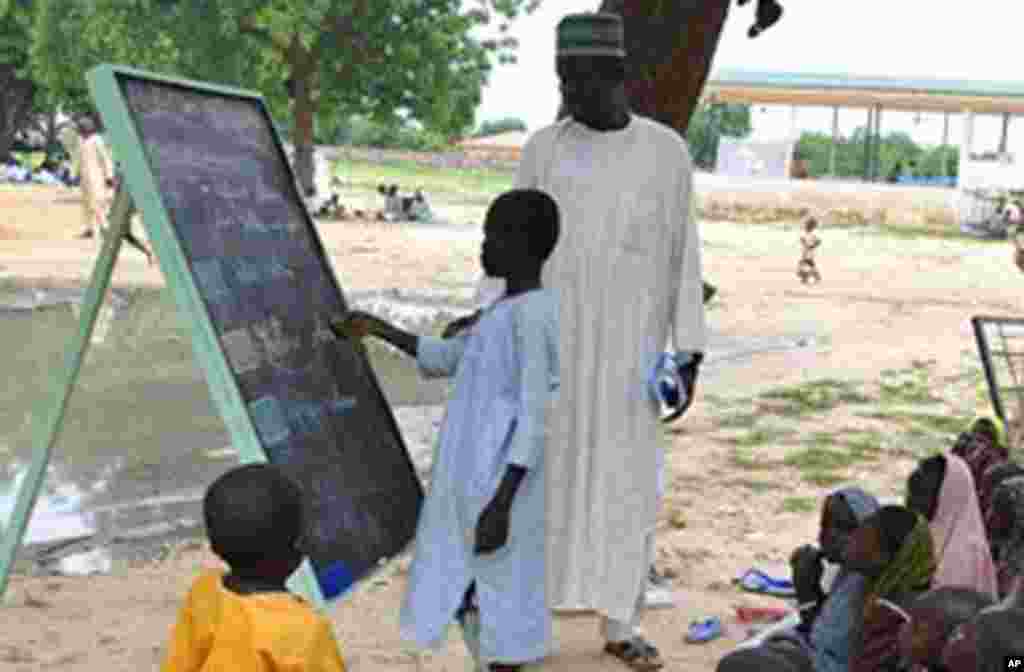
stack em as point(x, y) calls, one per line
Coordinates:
point(246, 619)
point(479, 555)
point(807, 270)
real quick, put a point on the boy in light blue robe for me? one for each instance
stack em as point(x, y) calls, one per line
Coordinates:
point(480, 541)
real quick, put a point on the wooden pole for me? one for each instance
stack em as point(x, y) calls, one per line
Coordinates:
point(1005, 136)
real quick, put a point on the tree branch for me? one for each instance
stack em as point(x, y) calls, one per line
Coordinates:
point(247, 25)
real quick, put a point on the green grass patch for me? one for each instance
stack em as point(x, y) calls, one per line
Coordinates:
point(919, 232)
point(738, 420)
point(813, 397)
point(754, 485)
point(798, 505)
point(469, 185)
point(744, 458)
point(822, 478)
point(819, 456)
point(759, 437)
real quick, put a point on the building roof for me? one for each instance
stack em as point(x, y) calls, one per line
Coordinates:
point(509, 140)
point(913, 94)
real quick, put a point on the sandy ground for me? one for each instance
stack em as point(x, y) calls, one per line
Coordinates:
point(884, 303)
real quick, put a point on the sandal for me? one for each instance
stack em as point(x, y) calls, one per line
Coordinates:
point(704, 631)
point(637, 653)
point(756, 581)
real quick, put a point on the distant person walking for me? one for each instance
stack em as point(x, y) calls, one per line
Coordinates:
point(97, 175)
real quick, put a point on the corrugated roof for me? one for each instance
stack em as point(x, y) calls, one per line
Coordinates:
point(917, 85)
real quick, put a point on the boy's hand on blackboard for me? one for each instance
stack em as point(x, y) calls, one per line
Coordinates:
point(355, 325)
point(492, 528)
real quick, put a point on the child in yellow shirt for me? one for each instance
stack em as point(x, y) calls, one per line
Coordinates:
point(246, 619)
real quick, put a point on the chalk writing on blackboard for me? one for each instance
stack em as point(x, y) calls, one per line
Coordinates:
point(270, 293)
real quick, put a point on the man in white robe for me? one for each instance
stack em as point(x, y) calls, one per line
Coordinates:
point(628, 273)
point(97, 179)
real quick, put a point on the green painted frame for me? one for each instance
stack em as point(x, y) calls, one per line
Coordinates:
point(141, 188)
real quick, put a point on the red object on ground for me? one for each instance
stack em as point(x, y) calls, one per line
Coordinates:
point(761, 614)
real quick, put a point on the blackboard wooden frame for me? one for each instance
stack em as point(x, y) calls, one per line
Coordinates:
point(143, 186)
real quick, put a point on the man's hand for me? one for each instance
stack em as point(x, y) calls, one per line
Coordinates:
point(689, 373)
point(492, 528)
point(355, 325)
point(808, 568)
point(458, 325)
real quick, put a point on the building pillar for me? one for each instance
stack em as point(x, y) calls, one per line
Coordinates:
point(1004, 138)
point(945, 143)
point(835, 138)
point(867, 144)
point(876, 162)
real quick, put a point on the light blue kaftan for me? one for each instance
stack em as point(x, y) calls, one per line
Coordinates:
point(506, 372)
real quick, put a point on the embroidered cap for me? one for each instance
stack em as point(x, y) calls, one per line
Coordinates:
point(591, 34)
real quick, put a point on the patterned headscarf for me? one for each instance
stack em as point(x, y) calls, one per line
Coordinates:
point(912, 569)
point(1009, 550)
point(979, 449)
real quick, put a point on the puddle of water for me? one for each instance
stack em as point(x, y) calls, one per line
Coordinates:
point(57, 515)
point(141, 437)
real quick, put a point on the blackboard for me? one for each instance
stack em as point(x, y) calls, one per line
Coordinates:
point(269, 291)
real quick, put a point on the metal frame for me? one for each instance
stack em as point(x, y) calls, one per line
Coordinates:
point(978, 323)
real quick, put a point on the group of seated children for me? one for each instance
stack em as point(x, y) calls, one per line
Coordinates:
point(49, 172)
point(936, 584)
point(488, 578)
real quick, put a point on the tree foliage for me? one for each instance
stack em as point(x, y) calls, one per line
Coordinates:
point(496, 126)
point(314, 61)
point(709, 123)
point(895, 148)
point(17, 89)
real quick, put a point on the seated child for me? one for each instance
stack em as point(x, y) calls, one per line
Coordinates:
point(893, 549)
point(479, 555)
point(942, 490)
point(1006, 523)
point(246, 619)
point(828, 624)
point(985, 643)
point(933, 618)
point(993, 478)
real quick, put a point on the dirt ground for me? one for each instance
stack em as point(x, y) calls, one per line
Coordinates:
point(885, 303)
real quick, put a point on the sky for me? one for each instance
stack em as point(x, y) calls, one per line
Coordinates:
point(900, 38)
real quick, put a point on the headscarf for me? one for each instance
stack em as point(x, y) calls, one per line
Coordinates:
point(979, 450)
point(1009, 550)
point(992, 478)
point(836, 629)
point(958, 530)
point(911, 570)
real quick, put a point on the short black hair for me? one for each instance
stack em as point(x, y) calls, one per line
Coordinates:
point(956, 605)
point(533, 212)
point(894, 524)
point(251, 513)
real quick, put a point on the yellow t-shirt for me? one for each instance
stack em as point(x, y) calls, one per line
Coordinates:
point(221, 631)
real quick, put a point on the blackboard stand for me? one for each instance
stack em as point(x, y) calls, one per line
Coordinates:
point(48, 427)
point(49, 424)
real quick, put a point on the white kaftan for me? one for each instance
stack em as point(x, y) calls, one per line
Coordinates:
point(628, 274)
point(96, 168)
point(506, 371)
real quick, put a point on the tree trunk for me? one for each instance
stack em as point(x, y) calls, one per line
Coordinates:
point(15, 106)
point(669, 48)
point(304, 139)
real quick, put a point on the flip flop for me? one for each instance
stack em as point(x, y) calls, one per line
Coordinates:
point(761, 614)
point(756, 581)
point(704, 631)
point(637, 653)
